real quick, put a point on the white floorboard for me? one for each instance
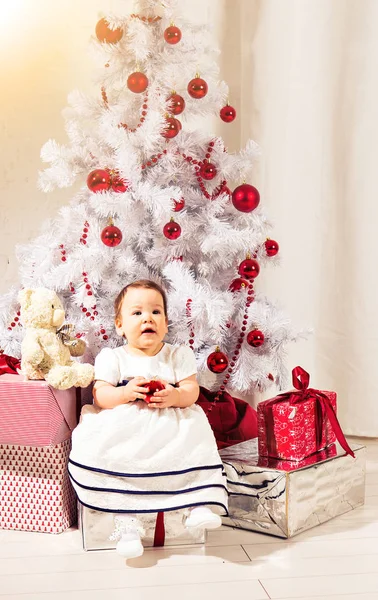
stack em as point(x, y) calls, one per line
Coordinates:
point(335, 561)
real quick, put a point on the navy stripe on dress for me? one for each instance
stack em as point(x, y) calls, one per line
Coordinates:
point(155, 510)
point(131, 475)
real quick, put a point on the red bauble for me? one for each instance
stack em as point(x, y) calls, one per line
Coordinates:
point(137, 82)
point(227, 113)
point(245, 198)
point(99, 180)
point(271, 247)
point(176, 104)
point(111, 236)
point(179, 205)
point(238, 284)
point(208, 171)
point(105, 34)
point(172, 128)
point(217, 362)
point(172, 230)
point(197, 88)
point(255, 338)
point(154, 386)
point(172, 34)
point(249, 268)
point(119, 185)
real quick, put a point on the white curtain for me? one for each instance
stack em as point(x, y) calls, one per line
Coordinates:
point(309, 97)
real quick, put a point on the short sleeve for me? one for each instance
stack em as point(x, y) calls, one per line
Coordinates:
point(184, 362)
point(106, 367)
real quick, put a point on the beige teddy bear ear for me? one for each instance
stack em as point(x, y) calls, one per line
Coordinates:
point(24, 297)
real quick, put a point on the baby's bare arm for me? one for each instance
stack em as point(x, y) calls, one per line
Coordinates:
point(108, 396)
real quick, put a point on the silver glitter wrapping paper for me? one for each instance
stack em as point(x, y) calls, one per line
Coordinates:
point(284, 502)
point(96, 527)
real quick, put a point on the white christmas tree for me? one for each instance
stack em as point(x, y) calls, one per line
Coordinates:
point(155, 203)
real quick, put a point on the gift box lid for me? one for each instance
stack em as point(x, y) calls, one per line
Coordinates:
point(32, 413)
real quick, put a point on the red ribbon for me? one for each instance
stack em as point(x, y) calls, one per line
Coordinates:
point(9, 364)
point(301, 380)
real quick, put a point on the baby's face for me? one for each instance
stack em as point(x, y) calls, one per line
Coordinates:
point(142, 320)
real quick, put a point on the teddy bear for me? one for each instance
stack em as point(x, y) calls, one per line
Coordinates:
point(46, 350)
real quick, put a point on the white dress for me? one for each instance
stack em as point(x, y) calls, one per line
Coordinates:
point(135, 459)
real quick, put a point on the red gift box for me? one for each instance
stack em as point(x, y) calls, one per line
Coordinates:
point(35, 441)
point(294, 465)
point(297, 424)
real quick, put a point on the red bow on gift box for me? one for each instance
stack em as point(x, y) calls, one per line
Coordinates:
point(9, 364)
point(301, 380)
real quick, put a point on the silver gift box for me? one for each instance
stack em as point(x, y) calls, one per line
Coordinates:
point(282, 498)
point(96, 528)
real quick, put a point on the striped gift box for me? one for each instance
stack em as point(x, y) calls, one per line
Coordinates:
point(36, 422)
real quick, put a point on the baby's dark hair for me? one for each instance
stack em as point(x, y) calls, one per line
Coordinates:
point(141, 283)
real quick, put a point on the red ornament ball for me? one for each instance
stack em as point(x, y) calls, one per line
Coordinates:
point(105, 34)
point(217, 362)
point(179, 205)
point(119, 185)
point(227, 113)
point(172, 128)
point(137, 82)
point(111, 236)
point(153, 386)
point(197, 88)
point(99, 180)
point(172, 34)
point(238, 284)
point(176, 104)
point(255, 338)
point(249, 268)
point(208, 171)
point(271, 247)
point(245, 198)
point(172, 230)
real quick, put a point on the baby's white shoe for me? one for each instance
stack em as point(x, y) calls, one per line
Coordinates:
point(201, 517)
point(130, 545)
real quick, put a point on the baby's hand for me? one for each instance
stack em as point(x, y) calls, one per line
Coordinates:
point(134, 390)
point(165, 398)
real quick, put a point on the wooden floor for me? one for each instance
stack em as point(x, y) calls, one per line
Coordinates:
point(335, 561)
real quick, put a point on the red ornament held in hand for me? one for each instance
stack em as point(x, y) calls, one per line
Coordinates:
point(105, 34)
point(179, 205)
point(217, 361)
point(176, 104)
point(238, 284)
point(172, 128)
point(154, 386)
point(227, 113)
point(137, 82)
point(245, 198)
point(172, 230)
point(249, 268)
point(99, 180)
point(255, 338)
point(197, 88)
point(271, 247)
point(208, 171)
point(111, 236)
point(172, 34)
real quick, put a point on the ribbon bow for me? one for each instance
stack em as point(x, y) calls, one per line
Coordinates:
point(301, 380)
point(66, 335)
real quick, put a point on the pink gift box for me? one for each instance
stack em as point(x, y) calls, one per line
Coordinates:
point(296, 425)
point(36, 422)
